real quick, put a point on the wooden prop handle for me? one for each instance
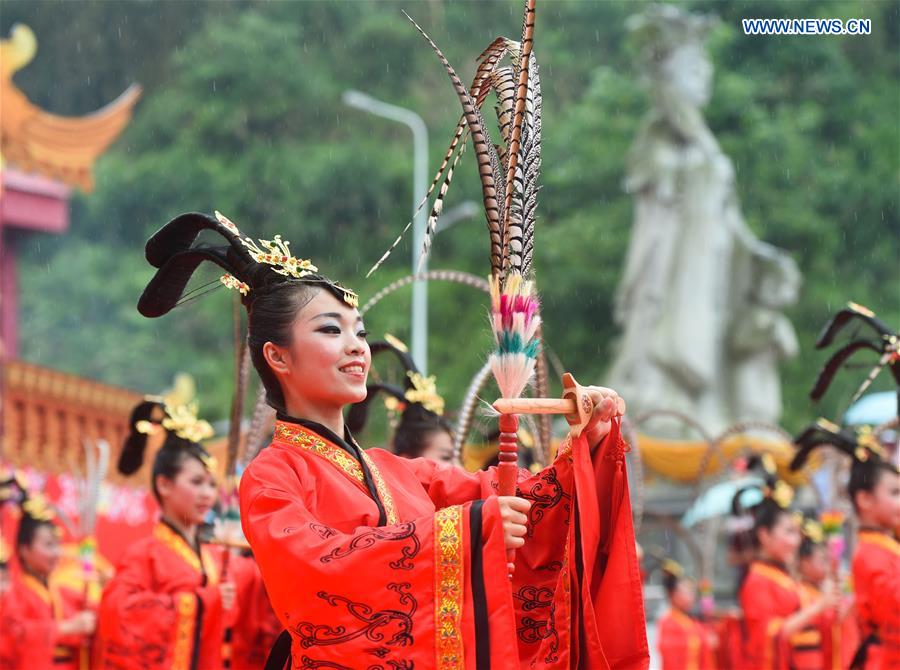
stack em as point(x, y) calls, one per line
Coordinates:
point(508, 468)
point(576, 405)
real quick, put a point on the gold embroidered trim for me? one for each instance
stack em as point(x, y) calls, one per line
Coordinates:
point(49, 596)
point(383, 491)
point(880, 540)
point(186, 613)
point(448, 567)
point(299, 437)
point(775, 575)
point(693, 639)
point(773, 631)
point(177, 544)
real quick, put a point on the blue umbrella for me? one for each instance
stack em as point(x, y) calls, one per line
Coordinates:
point(716, 500)
point(872, 409)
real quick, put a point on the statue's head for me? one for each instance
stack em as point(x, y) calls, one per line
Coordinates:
point(673, 53)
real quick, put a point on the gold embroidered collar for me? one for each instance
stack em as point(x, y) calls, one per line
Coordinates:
point(298, 435)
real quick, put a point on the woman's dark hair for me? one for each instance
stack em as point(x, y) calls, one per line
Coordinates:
point(171, 458)
point(171, 455)
point(807, 547)
point(271, 312)
point(271, 297)
point(765, 513)
point(868, 461)
point(865, 475)
point(670, 581)
point(28, 528)
point(416, 424)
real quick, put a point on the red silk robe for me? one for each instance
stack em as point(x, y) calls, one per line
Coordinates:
point(392, 563)
point(768, 596)
point(29, 627)
point(163, 609)
point(257, 628)
point(684, 643)
point(876, 578)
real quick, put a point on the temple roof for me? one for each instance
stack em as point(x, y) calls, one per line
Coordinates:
point(60, 147)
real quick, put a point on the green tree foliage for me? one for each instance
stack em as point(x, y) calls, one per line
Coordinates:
point(242, 112)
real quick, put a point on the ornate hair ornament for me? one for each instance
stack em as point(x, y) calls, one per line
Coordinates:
point(812, 530)
point(36, 507)
point(673, 568)
point(780, 493)
point(277, 254)
point(424, 392)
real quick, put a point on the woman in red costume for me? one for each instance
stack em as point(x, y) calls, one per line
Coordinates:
point(684, 642)
point(874, 490)
point(376, 561)
point(166, 608)
point(42, 625)
point(779, 625)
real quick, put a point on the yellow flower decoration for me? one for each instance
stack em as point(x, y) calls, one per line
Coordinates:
point(235, 284)
point(277, 253)
point(425, 393)
point(782, 494)
point(37, 508)
point(673, 568)
point(768, 463)
point(813, 530)
point(184, 422)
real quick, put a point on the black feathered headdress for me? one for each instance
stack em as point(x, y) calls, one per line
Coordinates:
point(249, 266)
point(862, 445)
point(885, 342)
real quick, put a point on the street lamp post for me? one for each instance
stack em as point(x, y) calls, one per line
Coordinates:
point(419, 316)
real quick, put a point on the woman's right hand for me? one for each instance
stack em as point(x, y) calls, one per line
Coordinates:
point(82, 623)
point(513, 512)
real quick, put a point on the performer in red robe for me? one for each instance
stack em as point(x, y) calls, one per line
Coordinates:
point(778, 626)
point(377, 561)
point(837, 627)
point(166, 607)
point(684, 642)
point(874, 489)
point(42, 625)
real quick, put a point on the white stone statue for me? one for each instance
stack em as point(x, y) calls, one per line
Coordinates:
point(692, 273)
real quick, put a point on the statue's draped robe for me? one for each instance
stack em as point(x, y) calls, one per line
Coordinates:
point(373, 561)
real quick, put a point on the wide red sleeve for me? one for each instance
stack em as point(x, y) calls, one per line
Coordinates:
point(143, 627)
point(394, 595)
point(613, 601)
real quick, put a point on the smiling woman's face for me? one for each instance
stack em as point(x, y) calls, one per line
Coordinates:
point(327, 361)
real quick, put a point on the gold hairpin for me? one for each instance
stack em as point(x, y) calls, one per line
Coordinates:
point(812, 529)
point(277, 253)
point(424, 392)
point(673, 568)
